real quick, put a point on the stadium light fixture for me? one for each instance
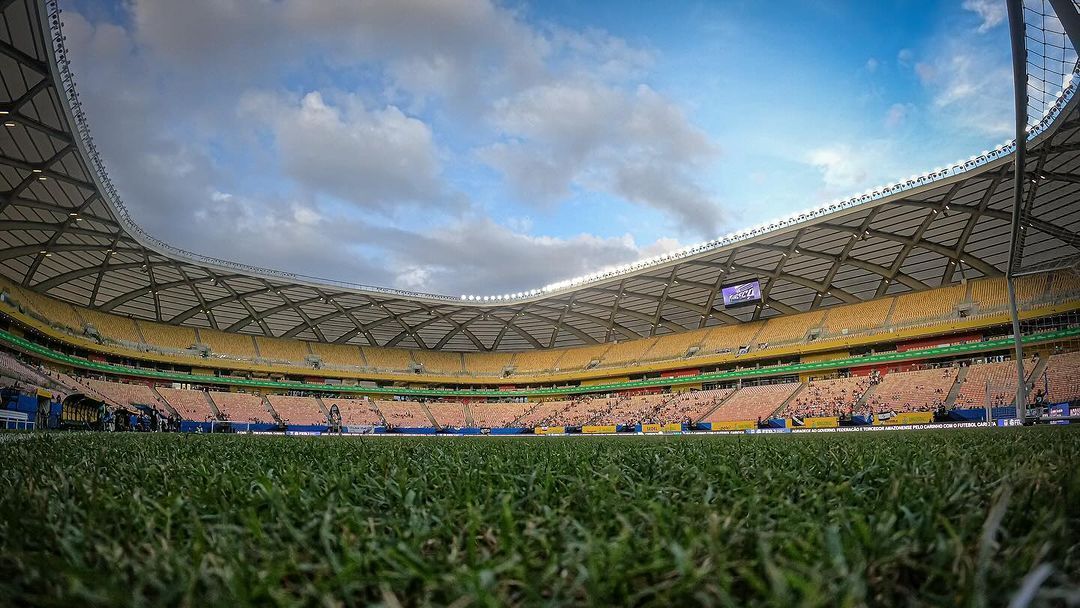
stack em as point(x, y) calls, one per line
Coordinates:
point(9, 123)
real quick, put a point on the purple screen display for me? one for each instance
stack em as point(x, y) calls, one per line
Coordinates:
point(743, 293)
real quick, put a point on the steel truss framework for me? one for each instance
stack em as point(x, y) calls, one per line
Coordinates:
point(61, 236)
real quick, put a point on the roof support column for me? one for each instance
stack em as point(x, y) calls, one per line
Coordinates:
point(1019, 62)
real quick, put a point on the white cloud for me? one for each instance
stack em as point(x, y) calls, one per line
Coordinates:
point(637, 145)
point(991, 12)
point(842, 170)
point(872, 65)
point(374, 158)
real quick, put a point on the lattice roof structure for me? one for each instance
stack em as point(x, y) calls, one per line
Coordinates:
point(64, 232)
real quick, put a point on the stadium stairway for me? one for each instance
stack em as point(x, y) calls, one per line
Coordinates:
point(468, 413)
point(1040, 368)
point(270, 408)
point(322, 407)
point(210, 402)
point(717, 406)
point(863, 398)
point(954, 391)
point(517, 421)
point(427, 412)
point(165, 402)
point(789, 400)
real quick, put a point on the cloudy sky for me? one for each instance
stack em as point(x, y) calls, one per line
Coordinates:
point(473, 146)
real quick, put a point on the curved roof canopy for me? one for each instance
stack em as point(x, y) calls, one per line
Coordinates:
point(65, 233)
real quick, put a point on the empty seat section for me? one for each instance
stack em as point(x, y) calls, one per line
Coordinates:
point(857, 317)
point(113, 327)
point(448, 414)
point(994, 381)
point(126, 394)
point(169, 337)
point(729, 338)
point(1064, 284)
point(233, 345)
point(282, 350)
point(674, 346)
point(241, 407)
point(625, 353)
point(55, 311)
point(990, 294)
point(578, 358)
point(928, 305)
point(914, 391)
point(534, 361)
point(403, 413)
point(387, 359)
point(832, 397)
point(1061, 382)
point(356, 412)
point(297, 410)
point(497, 415)
point(190, 404)
point(692, 405)
point(785, 329)
point(543, 414)
point(338, 355)
point(753, 402)
point(438, 362)
point(582, 411)
point(487, 364)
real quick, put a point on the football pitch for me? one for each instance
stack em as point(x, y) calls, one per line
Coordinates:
point(959, 517)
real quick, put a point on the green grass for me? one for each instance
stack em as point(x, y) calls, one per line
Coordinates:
point(915, 518)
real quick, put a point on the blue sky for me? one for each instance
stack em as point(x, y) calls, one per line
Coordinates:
point(469, 146)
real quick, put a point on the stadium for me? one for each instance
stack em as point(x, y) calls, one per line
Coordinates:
point(866, 403)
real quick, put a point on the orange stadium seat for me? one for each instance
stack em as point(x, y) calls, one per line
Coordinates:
point(448, 414)
point(56, 312)
point(914, 391)
point(356, 412)
point(999, 378)
point(233, 345)
point(496, 415)
point(578, 358)
point(535, 361)
point(190, 404)
point(832, 397)
point(170, 337)
point(387, 359)
point(241, 407)
point(277, 349)
point(487, 364)
point(786, 329)
point(856, 317)
point(403, 413)
point(628, 352)
point(753, 402)
point(127, 394)
point(1064, 284)
point(729, 338)
point(674, 346)
point(1061, 381)
point(297, 410)
point(113, 327)
point(928, 305)
point(439, 362)
point(338, 355)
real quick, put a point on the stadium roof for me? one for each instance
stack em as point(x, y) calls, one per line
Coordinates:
point(64, 232)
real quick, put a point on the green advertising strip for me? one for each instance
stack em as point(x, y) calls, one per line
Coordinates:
point(780, 370)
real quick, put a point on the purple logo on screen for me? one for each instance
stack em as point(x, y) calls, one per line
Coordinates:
point(743, 293)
